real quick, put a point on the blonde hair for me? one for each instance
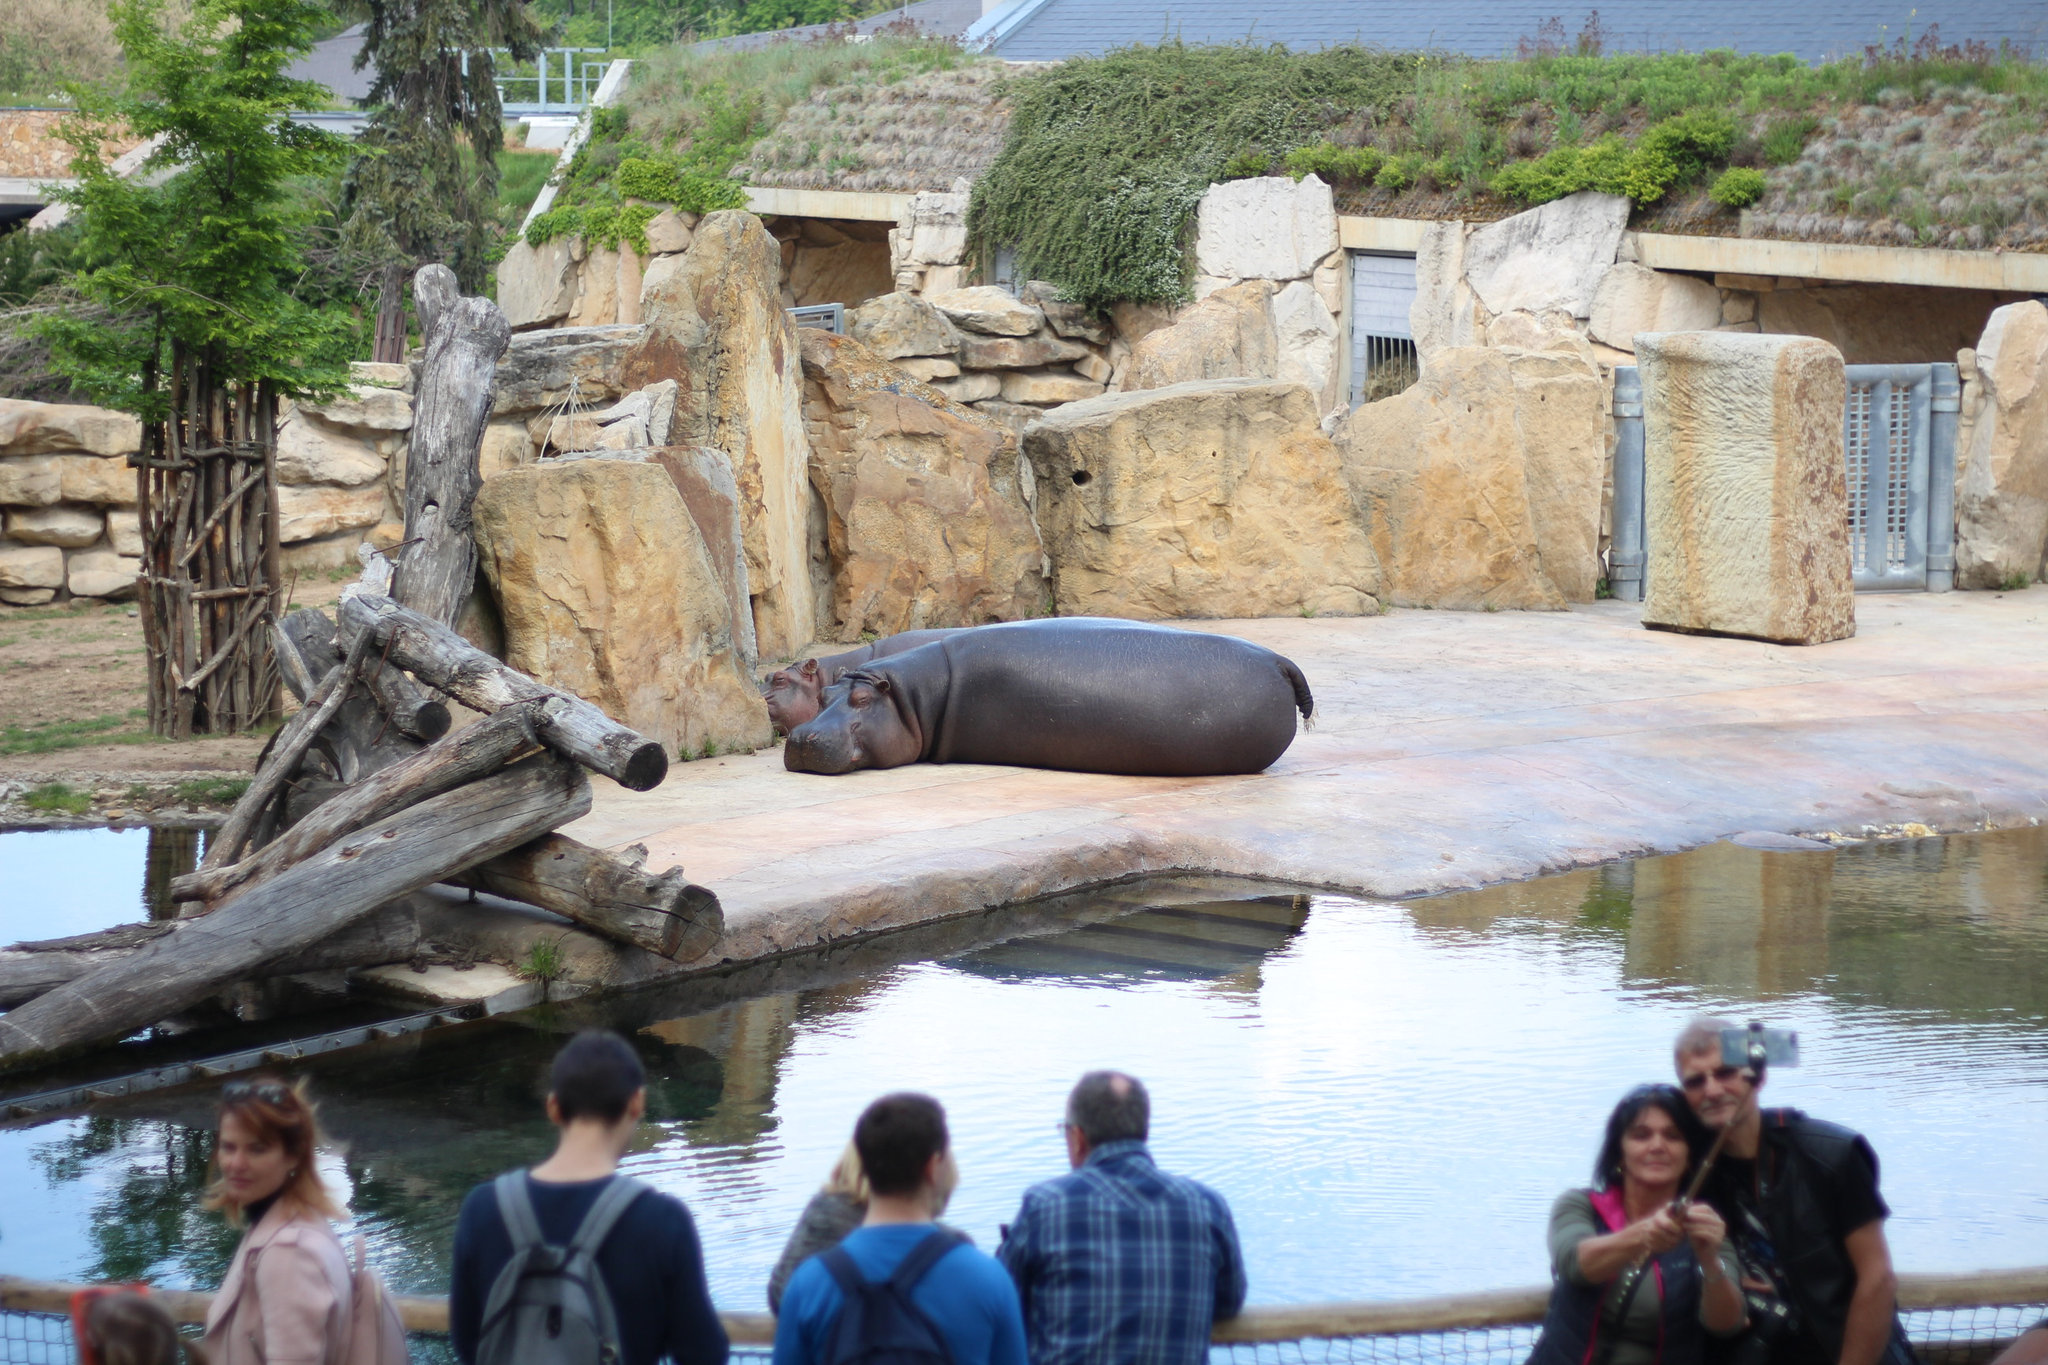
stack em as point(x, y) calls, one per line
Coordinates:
point(278, 1112)
point(128, 1329)
point(849, 1179)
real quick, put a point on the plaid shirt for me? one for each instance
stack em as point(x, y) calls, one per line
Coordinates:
point(1119, 1263)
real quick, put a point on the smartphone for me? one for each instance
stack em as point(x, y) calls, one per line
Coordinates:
point(1780, 1045)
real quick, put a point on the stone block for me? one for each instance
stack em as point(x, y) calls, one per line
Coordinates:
point(1268, 228)
point(1881, 324)
point(101, 573)
point(1445, 312)
point(28, 428)
point(1634, 298)
point(124, 533)
point(1216, 498)
point(1016, 416)
point(36, 566)
point(1018, 353)
point(900, 324)
point(669, 232)
point(848, 272)
point(31, 481)
point(2002, 474)
point(938, 229)
point(711, 492)
point(606, 590)
point(506, 445)
point(379, 374)
point(1738, 307)
point(537, 285)
point(1048, 387)
point(310, 511)
point(94, 479)
point(65, 525)
point(989, 310)
point(1228, 335)
point(311, 451)
point(1755, 284)
point(540, 370)
point(1305, 333)
point(28, 597)
point(1136, 321)
point(970, 388)
point(1550, 257)
point(1068, 319)
point(1330, 280)
point(929, 368)
point(1094, 367)
point(366, 408)
point(1746, 506)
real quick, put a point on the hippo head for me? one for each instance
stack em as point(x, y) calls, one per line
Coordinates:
point(793, 694)
point(864, 724)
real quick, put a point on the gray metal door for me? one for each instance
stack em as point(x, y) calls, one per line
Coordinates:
point(1383, 357)
point(1899, 442)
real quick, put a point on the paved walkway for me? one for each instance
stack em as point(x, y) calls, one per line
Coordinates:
point(1450, 750)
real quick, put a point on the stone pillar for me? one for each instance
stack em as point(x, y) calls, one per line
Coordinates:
point(2002, 479)
point(1745, 493)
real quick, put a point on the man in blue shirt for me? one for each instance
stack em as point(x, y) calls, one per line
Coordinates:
point(1118, 1262)
point(966, 1296)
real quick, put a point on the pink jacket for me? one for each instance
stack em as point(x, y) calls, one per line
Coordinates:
point(285, 1300)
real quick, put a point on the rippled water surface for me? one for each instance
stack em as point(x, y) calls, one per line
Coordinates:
point(1389, 1095)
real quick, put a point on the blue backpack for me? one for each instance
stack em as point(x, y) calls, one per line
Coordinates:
point(879, 1325)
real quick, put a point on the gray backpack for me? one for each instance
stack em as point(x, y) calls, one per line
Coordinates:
point(549, 1305)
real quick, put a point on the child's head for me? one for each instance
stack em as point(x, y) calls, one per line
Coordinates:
point(128, 1329)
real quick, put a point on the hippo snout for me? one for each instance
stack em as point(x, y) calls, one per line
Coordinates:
point(809, 750)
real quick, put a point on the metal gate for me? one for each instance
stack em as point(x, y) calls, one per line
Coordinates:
point(1383, 359)
point(1899, 440)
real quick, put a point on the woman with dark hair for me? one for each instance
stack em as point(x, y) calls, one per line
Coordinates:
point(287, 1296)
point(1639, 1278)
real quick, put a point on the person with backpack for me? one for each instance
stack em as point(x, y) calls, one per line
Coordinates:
point(571, 1263)
point(900, 1290)
point(291, 1295)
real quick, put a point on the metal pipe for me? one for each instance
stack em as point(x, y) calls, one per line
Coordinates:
point(1628, 555)
point(1947, 409)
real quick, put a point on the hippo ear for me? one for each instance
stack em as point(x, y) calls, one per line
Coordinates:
point(809, 668)
point(880, 684)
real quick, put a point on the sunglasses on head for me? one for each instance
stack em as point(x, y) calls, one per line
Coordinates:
point(1723, 1074)
point(270, 1092)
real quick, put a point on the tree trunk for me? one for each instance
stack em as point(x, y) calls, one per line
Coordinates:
point(320, 896)
point(608, 894)
point(389, 346)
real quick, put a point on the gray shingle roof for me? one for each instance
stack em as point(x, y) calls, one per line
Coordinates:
point(1050, 30)
point(332, 63)
point(939, 18)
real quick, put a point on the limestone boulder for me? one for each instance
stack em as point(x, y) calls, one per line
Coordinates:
point(31, 481)
point(608, 286)
point(1228, 335)
point(990, 310)
point(506, 445)
point(310, 511)
point(379, 374)
point(1018, 353)
point(1445, 312)
point(1633, 298)
point(1480, 485)
point(1068, 319)
point(311, 451)
point(926, 517)
point(848, 272)
point(936, 230)
point(101, 573)
point(537, 284)
point(1305, 335)
point(605, 589)
point(54, 428)
point(365, 408)
point(898, 325)
point(1882, 324)
point(1268, 228)
point(669, 232)
point(1048, 388)
point(1553, 256)
point(711, 492)
point(96, 479)
point(970, 388)
point(124, 533)
point(2002, 479)
point(73, 528)
point(1745, 497)
point(30, 567)
point(1214, 498)
point(929, 368)
point(715, 324)
point(543, 369)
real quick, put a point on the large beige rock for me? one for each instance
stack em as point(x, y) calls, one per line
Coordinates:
point(365, 408)
point(1550, 257)
point(1480, 484)
point(1305, 334)
point(1633, 298)
point(39, 566)
point(608, 286)
point(927, 522)
point(1068, 319)
point(988, 309)
point(310, 511)
point(605, 589)
point(546, 369)
point(1048, 387)
point(311, 451)
point(96, 479)
point(934, 229)
point(506, 445)
point(1214, 498)
point(1228, 335)
point(101, 573)
point(124, 532)
point(715, 324)
point(669, 231)
point(537, 285)
point(1269, 228)
point(52, 428)
point(710, 491)
point(2002, 475)
point(1882, 324)
point(1746, 506)
point(898, 325)
point(1445, 312)
point(1018, 353)
point(73, 528)
point(31, 481)
point(849, 273)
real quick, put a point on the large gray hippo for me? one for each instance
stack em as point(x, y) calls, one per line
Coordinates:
point(796, 693)
point(1085, 694)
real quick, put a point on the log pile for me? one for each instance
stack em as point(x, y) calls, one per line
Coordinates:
point(367, 794)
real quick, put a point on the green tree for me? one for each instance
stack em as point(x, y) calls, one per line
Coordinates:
point(201, 248)
point(424, 183)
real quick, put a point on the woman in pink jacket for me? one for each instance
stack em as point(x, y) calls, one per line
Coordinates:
point(285, 1300)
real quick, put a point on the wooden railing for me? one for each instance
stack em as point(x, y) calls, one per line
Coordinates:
point(1448, 1313)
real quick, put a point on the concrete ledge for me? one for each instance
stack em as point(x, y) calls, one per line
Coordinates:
point(868, 208)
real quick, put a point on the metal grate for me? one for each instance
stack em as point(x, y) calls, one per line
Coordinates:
point(830, 316)
point(1383, 358)
point(1856, 446)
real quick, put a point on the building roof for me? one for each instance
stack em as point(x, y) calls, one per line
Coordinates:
point(332, 63)
point(937, 18)
point(1053, 30)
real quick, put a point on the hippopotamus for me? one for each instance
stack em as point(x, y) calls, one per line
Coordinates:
point(796, 693)
point(1079, 693)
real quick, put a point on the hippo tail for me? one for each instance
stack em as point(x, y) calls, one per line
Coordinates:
point(1303, 699)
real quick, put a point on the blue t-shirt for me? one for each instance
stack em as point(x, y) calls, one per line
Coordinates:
point(968, 1297)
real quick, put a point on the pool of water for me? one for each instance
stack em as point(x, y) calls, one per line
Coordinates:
point(1389, 1095)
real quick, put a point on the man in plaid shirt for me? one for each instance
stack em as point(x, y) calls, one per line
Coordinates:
point(1117, 1262)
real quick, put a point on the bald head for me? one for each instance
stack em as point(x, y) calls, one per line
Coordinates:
point(1109, 1106)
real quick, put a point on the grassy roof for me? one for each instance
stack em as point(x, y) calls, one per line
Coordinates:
point(920, 133)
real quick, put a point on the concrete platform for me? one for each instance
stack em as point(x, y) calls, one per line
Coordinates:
point(1450, 750)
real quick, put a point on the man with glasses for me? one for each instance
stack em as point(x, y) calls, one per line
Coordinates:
point(1117, 1262)
point(1802, 1206)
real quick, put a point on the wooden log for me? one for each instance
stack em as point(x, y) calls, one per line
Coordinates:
point(462, 340)
point(427, 843)
point(358, 739)
point(473, 752)
point(391, 934)
point(607, 893)
point(439, 657)
point(411, 709)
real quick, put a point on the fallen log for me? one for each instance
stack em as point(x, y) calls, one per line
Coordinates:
point(407, 703)
point(390, 934)
point(442, 659)
point(475, 751)
point(360, 738)
point(334, 888)
point(608, 894)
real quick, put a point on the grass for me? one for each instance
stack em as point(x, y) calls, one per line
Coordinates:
point(210, 791)
point(2016, 581)
point(545, 960)
point(57, 798)
point(51, 736)
point(520, 177)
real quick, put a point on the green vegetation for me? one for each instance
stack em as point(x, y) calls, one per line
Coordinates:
point(57, 798)
point(545, 960)
point(2016, 581)
point(689, 118)
point(210, 791)
point(51, 736)
point(1738, 187)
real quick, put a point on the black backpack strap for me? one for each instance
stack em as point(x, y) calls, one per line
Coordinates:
point(611, 1203)
point(515, 1206)
point(922, 1258)
point(842, 1268)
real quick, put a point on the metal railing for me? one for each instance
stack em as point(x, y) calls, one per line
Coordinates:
point(1951, 1319)
point(831, 317)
